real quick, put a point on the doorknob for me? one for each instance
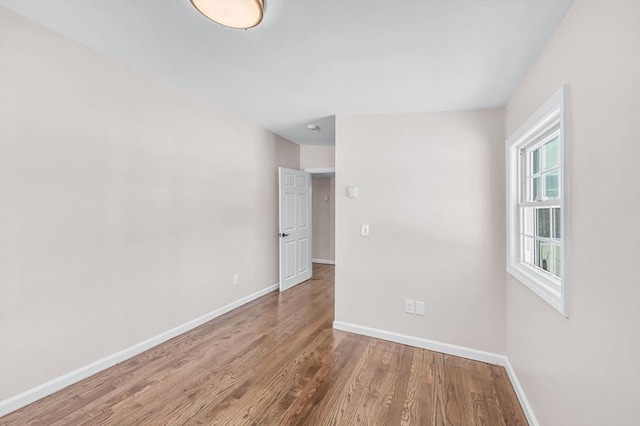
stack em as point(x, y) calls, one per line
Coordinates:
point(282, 234)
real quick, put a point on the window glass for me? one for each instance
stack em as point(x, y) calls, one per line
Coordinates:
point(535, 158)
point(528, 253)
point(543, 258)
point(551, 186)
point(527, 220)
point(550, 154)
point(557, 255)
point(537, 189)
point(543, 223)
point(557, 220)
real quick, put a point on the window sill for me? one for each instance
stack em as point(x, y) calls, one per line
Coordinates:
point(540, 285)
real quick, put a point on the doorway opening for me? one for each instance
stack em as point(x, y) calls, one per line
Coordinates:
point(323, 215)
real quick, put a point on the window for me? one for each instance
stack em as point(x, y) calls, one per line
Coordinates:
point(536, 197)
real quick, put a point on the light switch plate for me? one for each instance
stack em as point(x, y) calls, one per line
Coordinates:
point(420, 307)
point(364, 229)
point(352, 191)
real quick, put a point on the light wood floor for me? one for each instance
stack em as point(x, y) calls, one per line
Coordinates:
point(277, 361)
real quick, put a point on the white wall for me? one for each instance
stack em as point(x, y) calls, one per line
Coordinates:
point(323, 246)
point(585, 370)
point(126, 206)
point(431, 187)
point(317, 156)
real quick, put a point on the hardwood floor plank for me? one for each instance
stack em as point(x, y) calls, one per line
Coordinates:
point(457, 412)
point(482, 379)
point(511, 409)
point(439, 396)
point(403, 397)
point(472, 392)
point(341, 407)
point(278, 361)
point(280, 394)
point(418, 404)
point(335, 408)
point(379, 392)
point(262, 387)
point(329, 379)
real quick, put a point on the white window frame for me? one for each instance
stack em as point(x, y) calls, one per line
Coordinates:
point(549, 118)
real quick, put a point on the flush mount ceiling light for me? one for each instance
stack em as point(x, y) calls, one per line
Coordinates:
point(241, 14)
point(312, 127)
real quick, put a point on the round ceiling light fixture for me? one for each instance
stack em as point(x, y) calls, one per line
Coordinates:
point(241, 14)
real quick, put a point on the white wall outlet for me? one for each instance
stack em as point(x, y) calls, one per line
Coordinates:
point(364, 229)
point(325, 198)
point(421, 307)
point(409, 306)
point(352, 191)
point(236, 279)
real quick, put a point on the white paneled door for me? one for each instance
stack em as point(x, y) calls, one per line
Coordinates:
point(295, 227)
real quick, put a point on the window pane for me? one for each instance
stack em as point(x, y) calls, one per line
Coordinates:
point(535, 159)
point(543, 255)
point(557, 222)
point(536, 193)
point(551, 186)
point(528, 253)
point(527, 220)
point(557, 254)
point(550, 154)
point(543, 223)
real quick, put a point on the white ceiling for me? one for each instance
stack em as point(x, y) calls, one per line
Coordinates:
point(312, 59)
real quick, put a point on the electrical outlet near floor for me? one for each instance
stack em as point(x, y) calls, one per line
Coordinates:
point(409, 306)
point(236, 279)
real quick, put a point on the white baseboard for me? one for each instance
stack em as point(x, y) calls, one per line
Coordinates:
point(324, 261)
point(524, 402)
point(419, 342)
point(25, 398)
point(446, 348)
